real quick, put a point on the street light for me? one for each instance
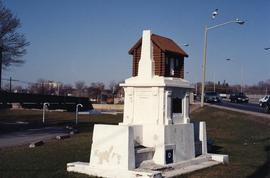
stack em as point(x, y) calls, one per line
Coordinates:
point(196, 83)
point(240, 22)
point(214, 81)
point(267, 48)
point(242, 75)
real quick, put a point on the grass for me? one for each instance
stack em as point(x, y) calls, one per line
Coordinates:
point(245, 138)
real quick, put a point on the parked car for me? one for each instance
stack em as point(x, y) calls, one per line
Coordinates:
point(266, 105)
point(264, 99)
point(212, 97)
point(223, 95)
point(239, 98)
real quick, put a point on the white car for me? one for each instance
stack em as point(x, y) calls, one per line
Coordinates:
point(264, 99)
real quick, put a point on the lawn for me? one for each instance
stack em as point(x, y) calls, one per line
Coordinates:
point(245, 138)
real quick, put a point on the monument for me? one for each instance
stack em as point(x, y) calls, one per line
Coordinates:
point(156, 138)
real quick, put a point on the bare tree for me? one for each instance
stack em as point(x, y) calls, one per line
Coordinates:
point(12, 43)
point(114, 87)
point(44, 87)
point(38, 87)
point(95, 90)
point(66, 90)
point(80, 85)
point(18, 89)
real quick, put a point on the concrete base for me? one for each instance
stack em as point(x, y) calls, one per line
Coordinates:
point(149, 169)
point(85, 168)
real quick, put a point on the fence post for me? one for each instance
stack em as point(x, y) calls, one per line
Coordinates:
point(77, 110)
point(45, 106)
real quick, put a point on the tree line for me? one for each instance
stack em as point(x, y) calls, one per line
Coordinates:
point(260, 88)
point(97, 91)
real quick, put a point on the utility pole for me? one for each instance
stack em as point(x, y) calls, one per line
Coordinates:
point(214, 81)
point(1, 61)
point(10, 86)
point(42, 85)
point(58, 88)
point(242, 76)
point(196, 89)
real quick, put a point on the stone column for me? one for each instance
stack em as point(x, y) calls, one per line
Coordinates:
point(186, 109)
point(203, 137)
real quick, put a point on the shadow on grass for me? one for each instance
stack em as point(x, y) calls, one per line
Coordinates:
point(264, 170)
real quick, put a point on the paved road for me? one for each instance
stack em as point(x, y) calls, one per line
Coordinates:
point(242, 106)
point(247, 108)
point(31, 135)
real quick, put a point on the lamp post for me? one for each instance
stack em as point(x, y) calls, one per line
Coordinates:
point(240, 22)
point(77, 110)
point(45, 106)
point(214, 82)
point(242, 76)
point(266, 90)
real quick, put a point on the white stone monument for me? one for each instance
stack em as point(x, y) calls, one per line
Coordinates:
point(156, 133)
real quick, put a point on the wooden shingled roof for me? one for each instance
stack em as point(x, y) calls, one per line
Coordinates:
point(166, 44)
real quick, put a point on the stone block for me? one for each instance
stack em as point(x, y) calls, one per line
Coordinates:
point(113, 147)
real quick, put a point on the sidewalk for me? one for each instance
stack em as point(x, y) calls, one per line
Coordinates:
point(29, 136)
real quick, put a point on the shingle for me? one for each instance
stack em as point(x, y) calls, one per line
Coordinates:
point(166, 44)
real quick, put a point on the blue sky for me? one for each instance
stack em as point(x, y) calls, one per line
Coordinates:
point(89, 40)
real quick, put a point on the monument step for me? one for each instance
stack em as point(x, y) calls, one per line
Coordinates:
point(142, 154)
point(150, 165)
point(144, 149)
